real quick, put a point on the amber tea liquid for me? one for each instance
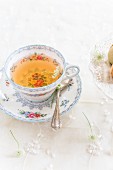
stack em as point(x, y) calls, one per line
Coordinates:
point(37, 70)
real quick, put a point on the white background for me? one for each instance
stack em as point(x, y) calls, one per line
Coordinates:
point(72, 27)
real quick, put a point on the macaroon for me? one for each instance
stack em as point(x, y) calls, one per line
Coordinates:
point(110, 55)
point(111, 70)
point(110, 59)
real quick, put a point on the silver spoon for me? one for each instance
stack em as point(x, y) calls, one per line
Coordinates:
point(56, 121)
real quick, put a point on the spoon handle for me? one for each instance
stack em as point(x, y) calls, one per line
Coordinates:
point(56, 121)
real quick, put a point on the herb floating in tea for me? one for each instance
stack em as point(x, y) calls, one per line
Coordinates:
point(36, 70)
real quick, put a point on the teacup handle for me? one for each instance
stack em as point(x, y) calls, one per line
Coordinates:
point(69, 76)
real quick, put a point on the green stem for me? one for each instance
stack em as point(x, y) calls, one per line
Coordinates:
point(15, 139)
point(54, 94)
point(88, 123)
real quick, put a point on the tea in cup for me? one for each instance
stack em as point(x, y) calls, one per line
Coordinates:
point(36, 70)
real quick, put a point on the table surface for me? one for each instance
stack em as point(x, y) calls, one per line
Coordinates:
point(72, 27)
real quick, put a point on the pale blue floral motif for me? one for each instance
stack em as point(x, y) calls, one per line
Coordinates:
point(32, 105)
point(64, 103)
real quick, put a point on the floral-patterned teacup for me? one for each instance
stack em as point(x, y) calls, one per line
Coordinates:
point(38, 94)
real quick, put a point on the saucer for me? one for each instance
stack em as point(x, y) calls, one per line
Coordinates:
point(24, 110)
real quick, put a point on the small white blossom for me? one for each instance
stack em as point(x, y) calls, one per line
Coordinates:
point(56, 72)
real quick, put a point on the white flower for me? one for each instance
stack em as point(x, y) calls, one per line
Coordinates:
point(56, 72)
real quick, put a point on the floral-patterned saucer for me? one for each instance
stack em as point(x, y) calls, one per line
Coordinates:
point(24, 110)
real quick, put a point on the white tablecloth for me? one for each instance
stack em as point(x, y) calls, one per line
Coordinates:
point(72, 27)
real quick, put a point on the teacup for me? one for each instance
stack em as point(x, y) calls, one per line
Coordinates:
point(38, 94)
